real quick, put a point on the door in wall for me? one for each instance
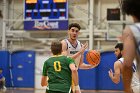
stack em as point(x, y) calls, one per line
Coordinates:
point(23, 68)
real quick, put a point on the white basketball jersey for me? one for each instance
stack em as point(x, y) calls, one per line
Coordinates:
point(135, 78)
point(121, 60)
point(72, 50)
point(136, 32)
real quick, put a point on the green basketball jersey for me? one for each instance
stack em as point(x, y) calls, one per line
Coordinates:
point(59, 73)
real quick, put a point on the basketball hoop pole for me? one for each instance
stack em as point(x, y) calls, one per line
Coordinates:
point(91, 37)
point(4, 25)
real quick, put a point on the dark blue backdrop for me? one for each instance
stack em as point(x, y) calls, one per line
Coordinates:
point(97, 78)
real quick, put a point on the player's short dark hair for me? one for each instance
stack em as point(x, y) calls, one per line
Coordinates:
point(120, 46)
point(131, 7)
point(56, 47)
point(74, 25)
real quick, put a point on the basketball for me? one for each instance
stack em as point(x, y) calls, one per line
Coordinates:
point(93, 57)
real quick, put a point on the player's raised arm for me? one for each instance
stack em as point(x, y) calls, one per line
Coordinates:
point(80, 52)
point(115, 77)
point(64, 47)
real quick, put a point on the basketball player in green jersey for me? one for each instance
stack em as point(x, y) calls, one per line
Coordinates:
point(74, 48)
point(60, 70)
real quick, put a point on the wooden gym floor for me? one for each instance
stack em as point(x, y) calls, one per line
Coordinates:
point(43, 91)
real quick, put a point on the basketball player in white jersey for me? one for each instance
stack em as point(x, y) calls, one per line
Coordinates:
point(74, 48)
point(115, 77)
point(131, 39)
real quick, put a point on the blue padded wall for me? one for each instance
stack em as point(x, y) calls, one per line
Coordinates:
point(23, 71)
point(4, 64)
point(97, 78)
point(21, 64)
point(104, 82)
point(86, 77)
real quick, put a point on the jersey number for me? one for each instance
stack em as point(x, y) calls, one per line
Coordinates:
point(57, 66)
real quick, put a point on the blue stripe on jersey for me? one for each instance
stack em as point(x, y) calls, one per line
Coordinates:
point(134, 67)
point(137, 27)
point(120, 61)
point(139, 47)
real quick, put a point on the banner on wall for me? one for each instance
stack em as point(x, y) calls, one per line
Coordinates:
point(46, 15)
point(45, 25)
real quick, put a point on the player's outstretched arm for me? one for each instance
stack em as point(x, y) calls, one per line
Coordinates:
point(75, 77)
point(129, 54)
point(64, 47)
point(81, 52)
point(74, 56)
point(82, 65)
point(115, 77)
